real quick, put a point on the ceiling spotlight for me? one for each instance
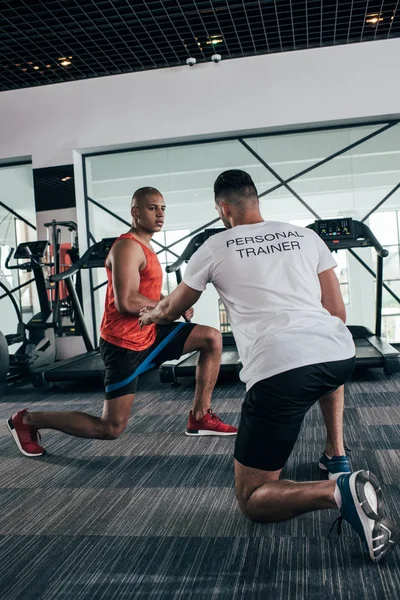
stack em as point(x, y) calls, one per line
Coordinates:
point(191, 61)
point(215, 39)
point(48, 66)
point(36, 68)
point(374, 18)
point(65, 178)
point(65, 63)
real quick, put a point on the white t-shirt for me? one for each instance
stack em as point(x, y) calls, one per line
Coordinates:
point(267, 277)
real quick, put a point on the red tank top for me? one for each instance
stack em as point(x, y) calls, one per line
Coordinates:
point(124, 330)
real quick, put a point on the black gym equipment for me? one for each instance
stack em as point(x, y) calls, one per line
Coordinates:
point(371, 349)
point(170, 371)
point(87, 366)
point(63, 315)
point(4, 361)
point(37, 337)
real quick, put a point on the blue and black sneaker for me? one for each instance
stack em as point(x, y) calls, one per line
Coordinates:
point(361, 507)
point(336, 466)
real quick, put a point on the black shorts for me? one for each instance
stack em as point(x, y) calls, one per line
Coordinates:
point(124, 366)
point(274, 408)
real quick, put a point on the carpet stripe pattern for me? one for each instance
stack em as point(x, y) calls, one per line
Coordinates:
point(153, 514)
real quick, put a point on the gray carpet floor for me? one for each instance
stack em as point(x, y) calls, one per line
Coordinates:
point(153, 515)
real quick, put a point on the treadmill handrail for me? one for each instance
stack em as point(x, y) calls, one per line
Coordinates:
point(198, 240)
point(367, 233)
point(186, 254)
point(82, 263)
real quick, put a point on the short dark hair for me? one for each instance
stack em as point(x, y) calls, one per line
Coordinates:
point(142, 193)
point(235, 186)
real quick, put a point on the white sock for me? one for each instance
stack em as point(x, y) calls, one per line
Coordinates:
point(338, 496)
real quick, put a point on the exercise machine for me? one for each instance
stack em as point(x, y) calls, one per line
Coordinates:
point(171, 371)
point(36, 338)
point(62, 255)
point(371, 349)
point(85, 366)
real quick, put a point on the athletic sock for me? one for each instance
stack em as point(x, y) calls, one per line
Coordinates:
point(338, 496)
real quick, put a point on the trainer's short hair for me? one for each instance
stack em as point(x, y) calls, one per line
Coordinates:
point(235, 186)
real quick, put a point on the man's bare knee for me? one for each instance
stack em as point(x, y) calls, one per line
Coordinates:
point(213, 339)
point(248, 505)
point(111, 430)
point(245, 506)
point(243, 496)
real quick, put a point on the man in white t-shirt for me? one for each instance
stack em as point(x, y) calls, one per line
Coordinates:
point(284, 304)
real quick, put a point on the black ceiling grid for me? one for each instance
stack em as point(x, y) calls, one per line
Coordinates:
point(54, 187)
point(51, 41)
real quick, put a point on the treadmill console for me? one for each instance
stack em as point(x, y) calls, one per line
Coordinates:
point(96, 255)
point(203, 237)
point(333, 229)
point(26, 250)
point(105, 247)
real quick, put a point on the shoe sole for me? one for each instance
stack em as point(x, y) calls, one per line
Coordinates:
point(203, 432)
point(332, 476)
point(384, 528)
point(11, 429)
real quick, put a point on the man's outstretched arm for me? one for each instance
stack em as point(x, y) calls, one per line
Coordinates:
point(171, 307)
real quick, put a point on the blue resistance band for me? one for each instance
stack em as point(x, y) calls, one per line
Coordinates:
point(146, 364)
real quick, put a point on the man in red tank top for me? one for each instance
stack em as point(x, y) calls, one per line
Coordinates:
point(135, 282)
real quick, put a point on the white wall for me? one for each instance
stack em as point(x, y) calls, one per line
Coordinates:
point(46, 216)
point(278, 91)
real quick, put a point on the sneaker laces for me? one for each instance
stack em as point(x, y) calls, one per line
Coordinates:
point(213, 416)
point(339, 521)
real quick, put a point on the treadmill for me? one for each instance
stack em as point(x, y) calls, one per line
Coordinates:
point(371, 349)
point(172, 370)
point(87, 366)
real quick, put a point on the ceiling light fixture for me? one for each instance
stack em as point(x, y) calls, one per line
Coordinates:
point(36, 68)
point(374, 18)
point(215, 39)
point(65, 63)
point(65, 178)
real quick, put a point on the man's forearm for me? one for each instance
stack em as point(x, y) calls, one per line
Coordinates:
point(163, 313)
point(133, 306)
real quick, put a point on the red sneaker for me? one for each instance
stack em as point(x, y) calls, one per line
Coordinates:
point(25, 436)
point(210, 424)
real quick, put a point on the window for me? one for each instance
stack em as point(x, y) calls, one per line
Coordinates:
point(166, 238)
point(386, 227)
point(336, 171)
point(224, 325)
